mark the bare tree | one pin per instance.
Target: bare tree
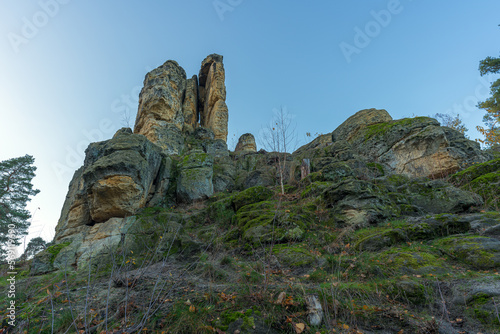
(280, 136)
(126, 119)
(454, 122)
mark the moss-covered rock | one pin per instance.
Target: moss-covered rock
(159, 234)
(314, 189)
(378, 240)
(222, 211)
(431, 196)
(195, 177)
(250, 196)
(267, 224)
(411, 261)
(479, 252)
(294, 255)
(224, 175)
(43, 262)
(359, 202)
(465, 176)
(483, 179)
(412, 291)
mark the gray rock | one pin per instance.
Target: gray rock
(224, 174)
(314, 310)
(479, 252)
(260, 177)
(493, 232)
(195, 177)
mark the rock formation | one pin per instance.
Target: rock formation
(169, 207)
(214, 112)
(178, 155)
(246, 143)
(118, 177)
(171, 105)
(411, 146)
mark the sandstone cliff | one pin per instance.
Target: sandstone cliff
(178, 155)
(387, 225)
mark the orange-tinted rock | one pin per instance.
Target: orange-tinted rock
(214, 112)
(246, 143)
(115, 196)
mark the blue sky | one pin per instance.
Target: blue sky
(70, 69)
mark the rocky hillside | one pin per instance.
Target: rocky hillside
(382, 226)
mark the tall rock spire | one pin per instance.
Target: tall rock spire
(213, 108)
(171, 105)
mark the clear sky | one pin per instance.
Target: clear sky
(70, 70)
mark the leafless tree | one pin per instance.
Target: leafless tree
(280, 136)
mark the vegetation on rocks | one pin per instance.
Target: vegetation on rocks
(372, 237)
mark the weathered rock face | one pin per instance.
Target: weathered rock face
(246, 143)
(214, 112)
(195, 178)
(116, 180)
(178, 155)
(190, 106)
(412, 146)
(350, 128)
(160, 103)
(171, 105)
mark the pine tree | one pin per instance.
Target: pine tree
(491, 132)
(35, 246)
(15, 190)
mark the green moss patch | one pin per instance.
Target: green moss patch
(250, 196)
(380, 129)
(55, 249)
(293, 255)
(479, 252)
(463, 177)
(315, 189)
(411, 261)
(483, 179)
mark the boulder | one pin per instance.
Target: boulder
(483, 179)
(116, 180)
(411, 146)
(246, 143)
(195, 177)
(224, 174)
(479, 252)
(350, 128)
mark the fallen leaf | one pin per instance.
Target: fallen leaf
(299, 328)
(281, 297)
(192, 309)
